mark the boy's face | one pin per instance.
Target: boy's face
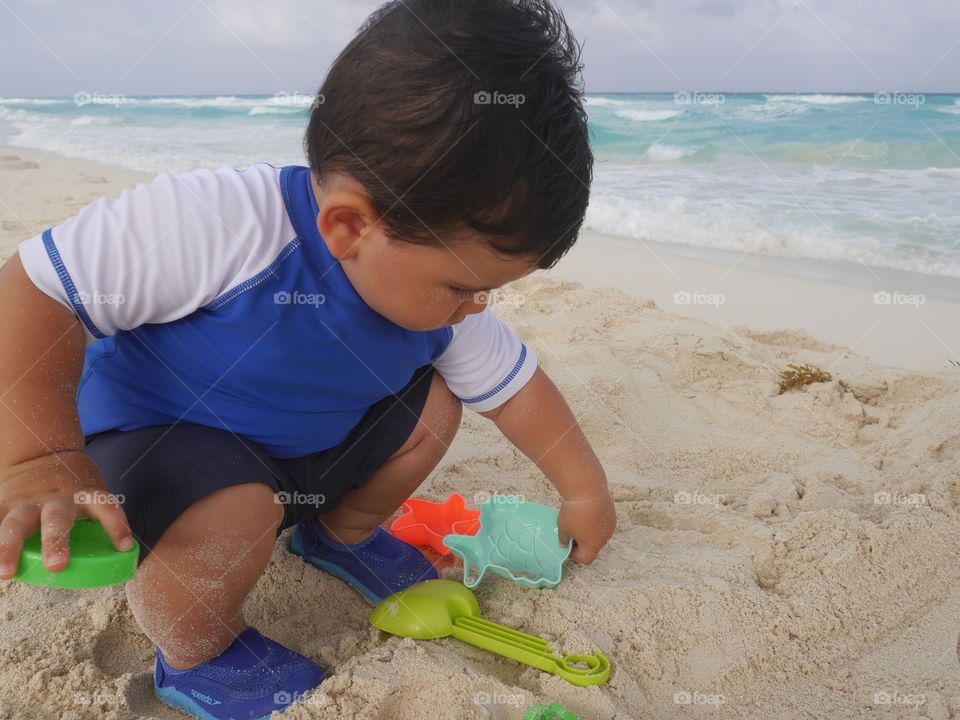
(414, 286)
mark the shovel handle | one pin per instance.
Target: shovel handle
(532, 651)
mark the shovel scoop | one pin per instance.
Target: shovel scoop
(444, 608)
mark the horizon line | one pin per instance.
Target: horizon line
(586, 92)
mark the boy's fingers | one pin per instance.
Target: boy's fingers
(105, 509)
(56, 519)
(583, 554)
(17, 525)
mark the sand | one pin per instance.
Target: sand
(777, 555)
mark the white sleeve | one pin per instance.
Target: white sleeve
(162, 249)
(485, 364)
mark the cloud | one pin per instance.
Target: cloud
(244, 46)
(788, 45)
(720, 8)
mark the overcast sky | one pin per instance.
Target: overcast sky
(50, 48)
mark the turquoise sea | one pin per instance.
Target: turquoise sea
(870, 177)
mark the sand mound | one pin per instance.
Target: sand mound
(777, 556)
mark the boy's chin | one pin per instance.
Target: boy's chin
(420, 326)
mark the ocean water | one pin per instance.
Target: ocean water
(872, 178)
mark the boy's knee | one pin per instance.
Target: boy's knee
(439, 420)
(251, 510)
(252, 506)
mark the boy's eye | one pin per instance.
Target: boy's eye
(461, 292)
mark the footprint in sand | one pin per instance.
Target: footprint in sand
(122, 648)
(14, 162)
(143, 701)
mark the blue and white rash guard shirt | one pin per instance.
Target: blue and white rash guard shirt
(211, 298)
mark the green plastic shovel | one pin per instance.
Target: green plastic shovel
(441, 608)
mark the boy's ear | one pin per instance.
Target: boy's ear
(344, 219)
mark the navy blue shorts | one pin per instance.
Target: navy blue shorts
(158, 472)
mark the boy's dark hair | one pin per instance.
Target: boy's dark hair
(457, 114)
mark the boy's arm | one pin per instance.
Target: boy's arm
(538, 421)
(43, 464)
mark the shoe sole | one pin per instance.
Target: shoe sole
(173, 698)
(177, 700)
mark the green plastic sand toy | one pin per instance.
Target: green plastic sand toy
(435, 609)
(554, 712)
(518, 540)
(94, 561)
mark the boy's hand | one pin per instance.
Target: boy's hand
(48, 492)
(538, 421)
(590, 521)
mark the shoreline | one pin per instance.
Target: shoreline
(115, 173)
(848, 273)
(909, 332)
(832, 300)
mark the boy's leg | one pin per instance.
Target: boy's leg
(363, 509)
(202, 503)
(188, 592)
